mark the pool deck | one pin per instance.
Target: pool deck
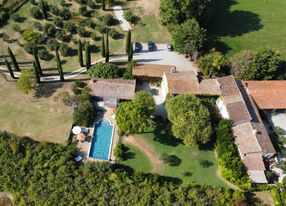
(84, 146)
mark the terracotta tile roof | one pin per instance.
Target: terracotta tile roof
(183, 83)
(113, 88)
(253, 162)
(152, 70)
(245, 139)
(209, 87)
(268, 94)
(233, 100)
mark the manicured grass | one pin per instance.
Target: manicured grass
(249, 24)
(136, 159)
(42, 119)
(187, 160)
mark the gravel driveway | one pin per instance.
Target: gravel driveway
(163, 56)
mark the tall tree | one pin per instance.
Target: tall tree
(37, 75)
(103, 5)
(107, 47)
(128, 42)
(103, 47)
(13, 59)
(59, 65)
(37, 62)
(9, 69)
(43, 7)
(130, 54)
(79, 51)
(87, 56)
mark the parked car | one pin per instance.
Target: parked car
(170, 47)
(138, 47)
(151, 46)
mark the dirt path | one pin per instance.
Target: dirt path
(146, 148)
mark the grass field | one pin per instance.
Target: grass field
(187, 160)
(249, 24)
(41, 118)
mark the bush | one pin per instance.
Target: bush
(93, 36)
(36, 13)
(38, 26)
(108, 20)
(276, 197)
(17, 27)
(70, 27)
(30, 47)
(230, 163)
(30, 36)
(64, 50)
(83, 10)
(78, 86)
(16, 17)
(42, 40)
(104, 70)
(82, 32)
(43, 54)
(119, 151)
(65, 14)
(128, 75)
(101, 28)
(90, 4)
(87, 22)
(50, 30)
(52, 44)
(115, 34)
(58, 21)
(61, 35)
(55, 10)
(129, 16)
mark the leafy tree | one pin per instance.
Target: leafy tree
(146, 101)
(53, 44)
(240, 62)
(36, 13)
(265, 65)
(64, 50)
(58, 21)
(107, 48)
(103, 47)
(37, 62)
(129, 16)
(179, 11)
(79, 51)
(119, 151)
(104, 70)
(131, 118)
(212, 63)
(190, 119)
(36, 73)
(188, 33)
(9, 68)
(27, 81)
(59, 65)
(87, 56)
(50, 30)
(85, 113)
(128, 42)
(31, 36)
(13, 59)
(43, 6)
(30, 47)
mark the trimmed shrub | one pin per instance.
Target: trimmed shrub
(115, 34)
(82, 32)
(65, 14)
(30, 47)
(64, 50)
(108, 20)
(61, 35)
(55, 10)
(36, 13)
(83, 10)
(52, 44)
(50, 30)
(58, 21)
(43, 54)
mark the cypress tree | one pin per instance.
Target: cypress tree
(37, 75)
(103, 5)
(130, 54)
(128, 42)
(87, 56)
(13, 59)
(107, 48)
(43, 7)
(59, 65)
(9, 68)
(79, 51)
(103, 47)
(37, 62)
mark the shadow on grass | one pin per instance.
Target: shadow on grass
(46, 90)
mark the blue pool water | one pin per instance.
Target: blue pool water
(100, 143)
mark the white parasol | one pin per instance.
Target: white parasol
(76, 130)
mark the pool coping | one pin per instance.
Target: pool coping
(111, 142)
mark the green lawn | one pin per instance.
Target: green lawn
(249, 24)
(187, 160)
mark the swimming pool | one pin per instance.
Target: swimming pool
(100, 146)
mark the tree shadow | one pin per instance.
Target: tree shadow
(173, 160)
(46, 90)
(127, 153)
(163, 135)
(206, 163)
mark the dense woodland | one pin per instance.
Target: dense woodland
(45, 174)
